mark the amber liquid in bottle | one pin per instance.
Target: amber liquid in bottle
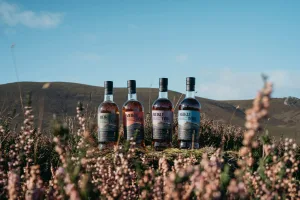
(189, 116)
(162, 118)
(133, 117)
(108, 120)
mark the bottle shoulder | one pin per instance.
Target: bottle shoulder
(108, 107)
(162, 104)
(133, 105)
(189, 104)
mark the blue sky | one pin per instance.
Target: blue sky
(226, 45)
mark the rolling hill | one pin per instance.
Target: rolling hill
(61, 98)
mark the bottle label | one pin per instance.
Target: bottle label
(188, 125)
(135, 125)
(108, 127)
(162, 125)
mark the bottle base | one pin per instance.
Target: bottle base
(103, 146)
(160, 146)
(138, 144)
(188, 145)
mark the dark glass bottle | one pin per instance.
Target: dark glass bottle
(189, 118)
(108, 119)
(133, 116)
(162, 118)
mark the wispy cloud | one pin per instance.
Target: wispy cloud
(88, 56)
(227, 84)
(181, 58)
(12, 15)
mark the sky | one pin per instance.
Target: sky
(226, 45)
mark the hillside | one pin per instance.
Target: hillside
(61, 99)
(284, 116)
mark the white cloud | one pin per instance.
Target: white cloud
(226, 84)
(181, 58)
(88, 56)
(12, 15)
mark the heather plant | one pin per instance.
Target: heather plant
(148, 129)
(232, 163)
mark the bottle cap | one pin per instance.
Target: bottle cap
(131, 85)
(108, 85)
(190, 83)
(163, 84)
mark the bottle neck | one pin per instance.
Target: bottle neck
(163, 95)
(132, 96)
(108, 97)
(190, 94)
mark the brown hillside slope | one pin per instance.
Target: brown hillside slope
(284, 119)
(61, 99)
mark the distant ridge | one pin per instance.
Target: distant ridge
(61, 98)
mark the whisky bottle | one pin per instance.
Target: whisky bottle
(162, 118)
(108, 119)
(133, 116)
(189, 118)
